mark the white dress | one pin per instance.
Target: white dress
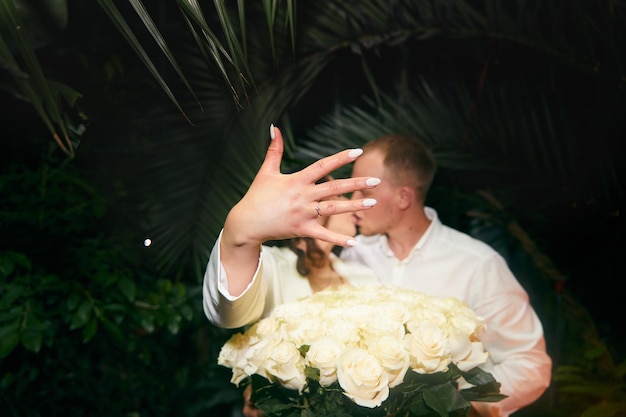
(275, 282)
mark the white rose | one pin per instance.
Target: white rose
(394, 358)
(264, 327)
(324, 355)
(362, 378)
(432, 315)
(307, 331)
(412, 299)
(356, 337)
(359, 314)
(286, 366)
(394, 311)
(466, 323)
(465, 353)
(343, 331)
(257, 355)
(445, 304)
(380, 326)
(428, 348)
(232, 355)
(232, 349)
(290, 313)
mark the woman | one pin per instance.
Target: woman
(306, 265)
(238, 288)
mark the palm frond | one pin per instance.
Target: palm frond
(408, 53)
(508, 140)
(30, 84)
(116, 17)
(193, 175)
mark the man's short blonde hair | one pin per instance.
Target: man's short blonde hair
(408, 160)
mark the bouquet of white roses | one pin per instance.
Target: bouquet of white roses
(366, 351)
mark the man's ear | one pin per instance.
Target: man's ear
(406, 197)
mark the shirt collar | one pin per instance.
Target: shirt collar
(433, 230)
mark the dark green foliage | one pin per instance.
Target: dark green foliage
(87, 325)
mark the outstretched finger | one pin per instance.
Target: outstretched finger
(317, 231)
(326, 165)
(274, 154)
(337, 187)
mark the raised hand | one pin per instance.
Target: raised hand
(281, 206)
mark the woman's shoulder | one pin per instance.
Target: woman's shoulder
(279, 253)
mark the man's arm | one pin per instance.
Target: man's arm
(515, 342)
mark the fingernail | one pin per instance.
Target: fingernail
(352, 242)
(372, 181)
(272, 134)
(369, 202)
(355, 152)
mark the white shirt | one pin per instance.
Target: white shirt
(446, 262)
(275, 282)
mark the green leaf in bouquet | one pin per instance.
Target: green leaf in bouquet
(413, 379)
(446, 400)
(328, 401)
(419, 408)
(312, 373)
(485, 388)
(274, 399)
(476, 376)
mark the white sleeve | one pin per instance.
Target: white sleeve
(223, 309)
(515, 342)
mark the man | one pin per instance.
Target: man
(407, 245)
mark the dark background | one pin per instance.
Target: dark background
(577, 225)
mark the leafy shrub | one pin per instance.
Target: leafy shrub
(88, 326)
